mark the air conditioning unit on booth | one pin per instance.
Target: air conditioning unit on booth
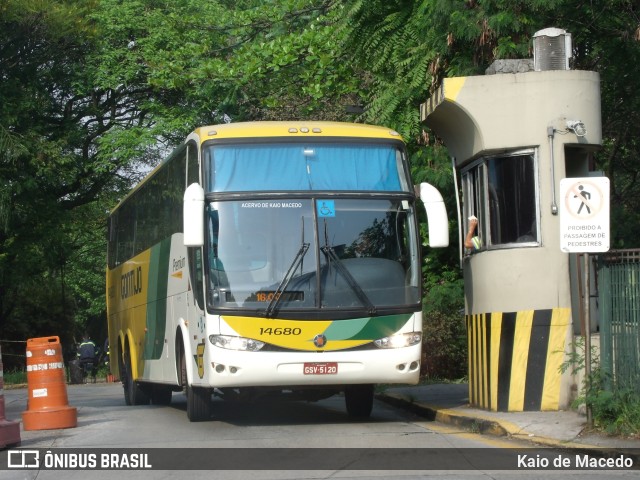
(551, 49)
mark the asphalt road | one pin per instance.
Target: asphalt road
(280, 440)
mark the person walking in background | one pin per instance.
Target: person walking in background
(88, 356)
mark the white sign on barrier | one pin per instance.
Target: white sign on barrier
(584, 215)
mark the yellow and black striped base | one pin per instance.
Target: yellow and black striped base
(515, 359)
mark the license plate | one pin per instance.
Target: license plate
(326, 368)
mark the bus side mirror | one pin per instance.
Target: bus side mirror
(193, 216)
(436, 216)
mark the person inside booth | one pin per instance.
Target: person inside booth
(472, 241)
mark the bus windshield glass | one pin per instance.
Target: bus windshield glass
(303, 167)
(311, 253)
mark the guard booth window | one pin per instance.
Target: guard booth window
(501, 191)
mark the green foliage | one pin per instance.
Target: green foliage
(444, 346)
(615, 410)
(93, 93)
(50, 118)
(252, 60)
(405, 49)
(15, 377)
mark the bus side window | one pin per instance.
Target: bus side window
(195, 269)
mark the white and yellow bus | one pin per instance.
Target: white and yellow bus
(270, 258)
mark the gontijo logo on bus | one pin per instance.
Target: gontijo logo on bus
(131, 283)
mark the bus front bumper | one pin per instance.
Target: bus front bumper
(254, 369)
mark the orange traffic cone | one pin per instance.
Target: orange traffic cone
(9, 431)
(47, 406)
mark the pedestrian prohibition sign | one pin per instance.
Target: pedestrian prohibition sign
(584, 214)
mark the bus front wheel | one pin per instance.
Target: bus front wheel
(359, 400)
(198, 404)
(198, 398)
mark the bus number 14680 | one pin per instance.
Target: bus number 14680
(280, 331)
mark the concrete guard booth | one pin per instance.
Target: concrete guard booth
(513, 136)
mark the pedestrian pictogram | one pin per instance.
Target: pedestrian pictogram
(584, 214)
(586, 197)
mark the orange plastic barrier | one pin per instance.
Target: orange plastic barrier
(47, 406)
(9, 431)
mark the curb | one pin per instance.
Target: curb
(446, 415)
(491, 426)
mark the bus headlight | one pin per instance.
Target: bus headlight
(399, 341)
(236, 343)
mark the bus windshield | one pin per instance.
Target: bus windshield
(303, 167)
(311, 253)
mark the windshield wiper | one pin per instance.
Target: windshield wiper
(352, 282)
(277, 295)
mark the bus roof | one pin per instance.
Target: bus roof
(294, 129)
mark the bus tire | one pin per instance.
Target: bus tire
(359, 400)
(198, 398)
(161, 395)
(133, 391)
(198, 404)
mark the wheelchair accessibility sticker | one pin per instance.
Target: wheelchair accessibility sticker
(326, 208)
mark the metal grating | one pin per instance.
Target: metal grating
(619, 287)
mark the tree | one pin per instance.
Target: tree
(54, 117)
(407, 47)
(40, 50)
